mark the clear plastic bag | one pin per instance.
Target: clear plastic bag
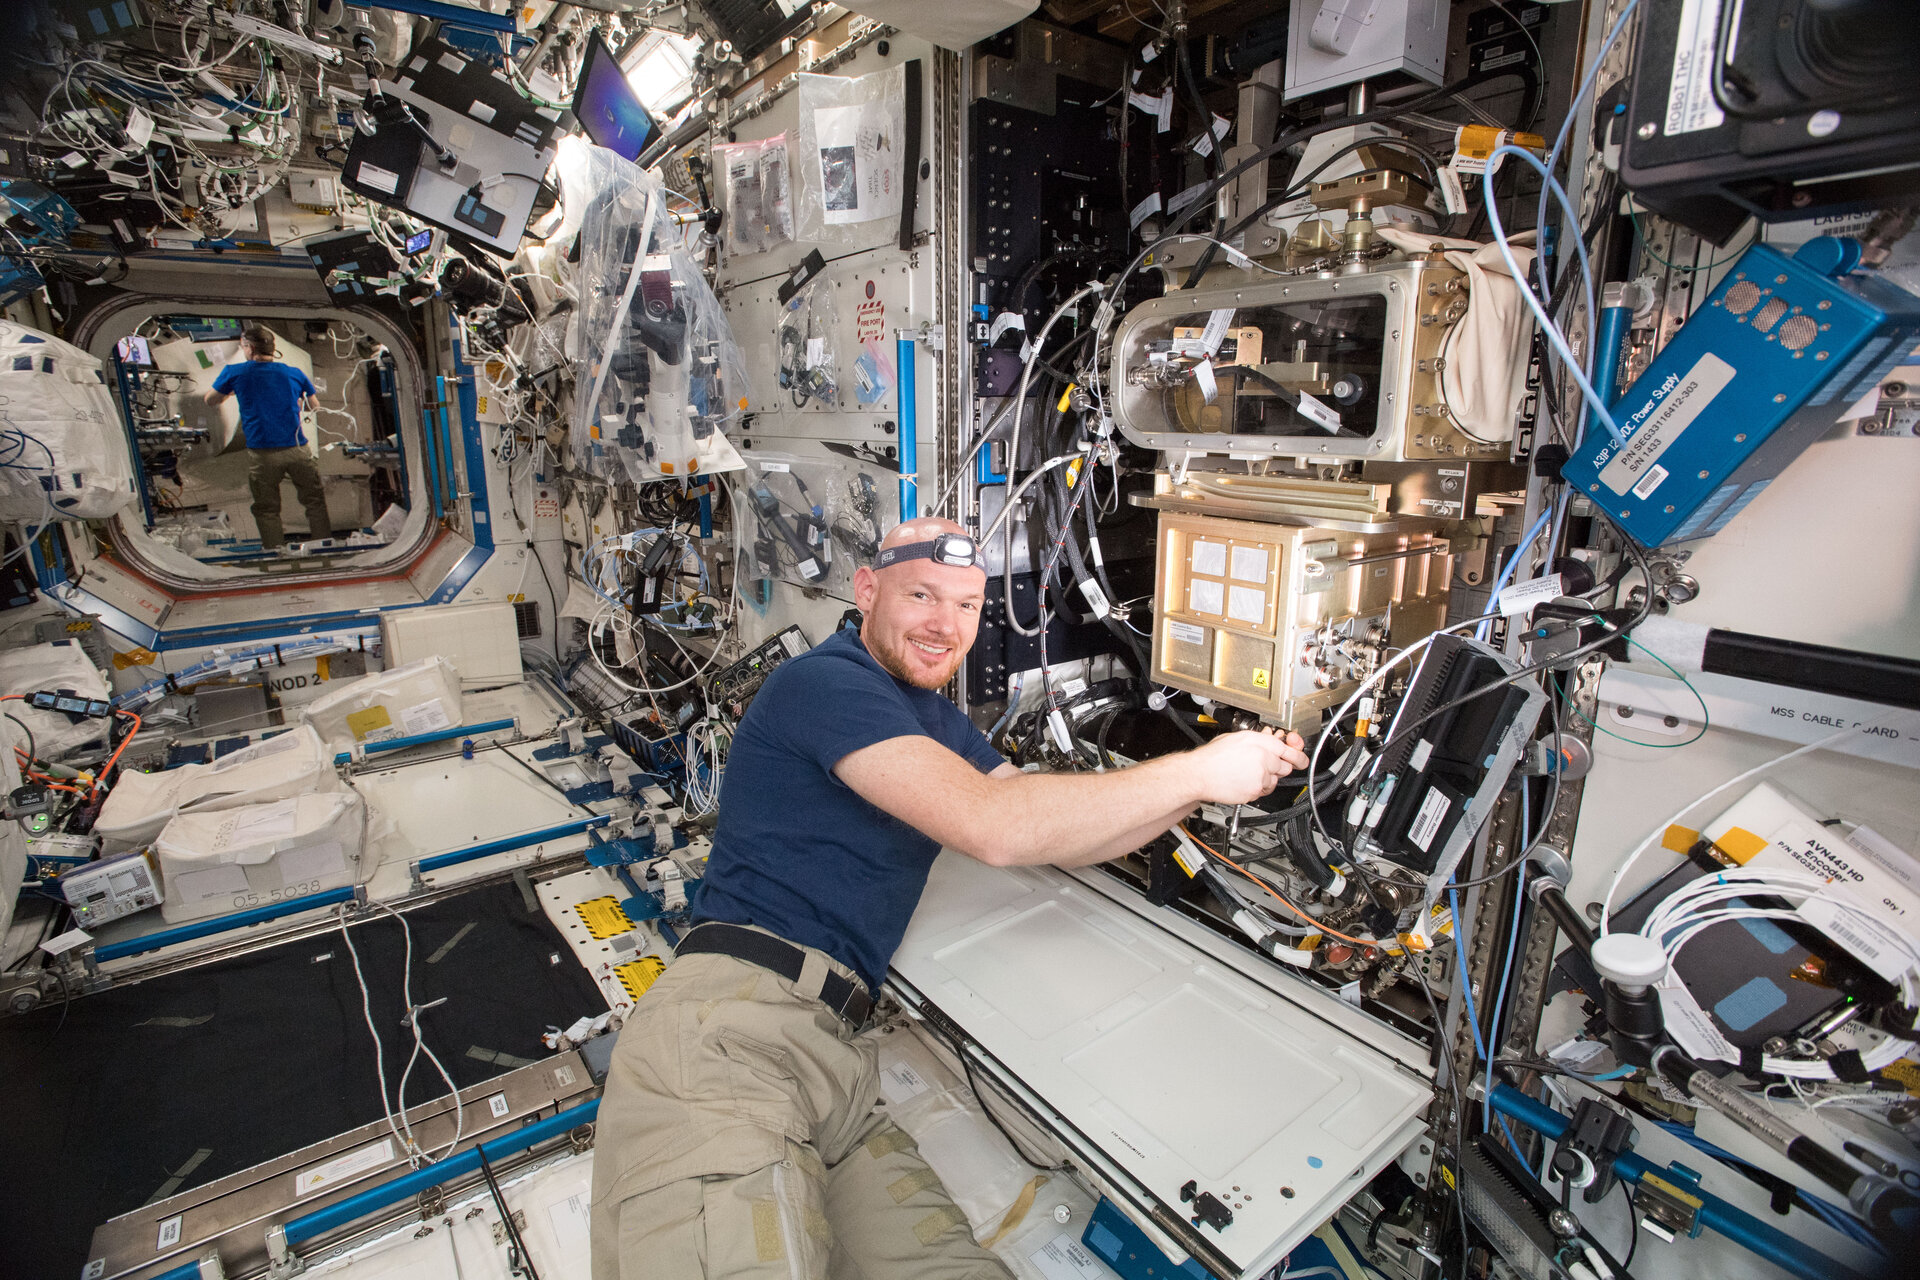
(810, 522)
(809, 364)
(658, 373)
(755, 194)
(850, 153)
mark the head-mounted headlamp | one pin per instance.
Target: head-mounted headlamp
(955, 549)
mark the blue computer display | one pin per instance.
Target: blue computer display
(609, 112)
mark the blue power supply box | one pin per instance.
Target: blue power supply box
(1753, 377)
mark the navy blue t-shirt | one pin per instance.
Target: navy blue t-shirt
(269, 401)
(797, 851)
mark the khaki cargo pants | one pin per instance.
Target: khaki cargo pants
(265, 469)
(742, 1135)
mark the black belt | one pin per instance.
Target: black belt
(848, 999)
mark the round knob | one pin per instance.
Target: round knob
(1062, 1214)
(1630, 959)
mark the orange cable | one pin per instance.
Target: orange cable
(1234, 867)
(107, 768)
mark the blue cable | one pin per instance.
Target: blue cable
(1618, 1073)
(1473, 1020)
(1506, 570)
(1832, 1214)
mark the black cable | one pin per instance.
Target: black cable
(1459, 1110)
(518, 1259)
(1633, 1226)
(966, 1068)
(33, 752)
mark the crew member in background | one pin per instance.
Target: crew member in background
(741, 1132)
(271, 398)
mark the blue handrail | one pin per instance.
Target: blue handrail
(222, 924)
(418, 739)
(411, 1184)
(507, 843)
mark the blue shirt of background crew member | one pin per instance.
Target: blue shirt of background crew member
(270, 394)
(797, 851)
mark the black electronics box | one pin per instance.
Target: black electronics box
(1816, 114)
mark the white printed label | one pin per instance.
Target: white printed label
(497, 1106)
(1521, 597)
(1649, 482)
(1688, 1023)
(315, 862)
(60, 944)
(425, 717)
(1186, 633)
(1186, 197)
(342, 1168)
(1453, 196)
(214, 882)
(816, 352)
(372, 175)
(1318, 413)
(1690, 104)
(1876, 945)
(898, 1082)
(1210, 558)
(1250, 564)
(1204, 379)
(1426, 822)
(1073, 686)
(1141, 211)
(1247, 604)
(775, 466)
(139, 127)
(1206, 597)
(1065, 1258)
(1096, 598)
(1659, 423)
(1216, 331)
(169, 1232)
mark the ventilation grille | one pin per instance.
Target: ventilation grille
(526, 619)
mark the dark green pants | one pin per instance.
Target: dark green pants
(266, 468)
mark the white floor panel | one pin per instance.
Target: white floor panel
(1173, 1064)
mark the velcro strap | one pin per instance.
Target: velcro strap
(1753, 1061)
(1848, 1068)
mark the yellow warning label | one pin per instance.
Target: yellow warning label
(323, 667)
(1262, 678)
(603, 917)
(371, 720)
(637, 975)
(79, 625)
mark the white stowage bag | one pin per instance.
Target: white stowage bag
(232, 859)
(59, 664)
(294, 763)
(60, 432)
(1485, 377)
(416, 698)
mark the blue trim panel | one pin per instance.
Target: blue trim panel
(408, 1185)
(506, 844)
(479, 503)
(420, 739)
(222, 924)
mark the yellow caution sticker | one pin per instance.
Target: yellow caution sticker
(1679, 839)
(1262, 678)
(371, 720)
(603, 917)
(637, 975)
(1739, 844)
(323, 667)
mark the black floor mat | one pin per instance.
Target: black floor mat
(173, 1082)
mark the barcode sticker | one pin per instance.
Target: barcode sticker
(1203, 378)
(1426, 822)
(1876, 946)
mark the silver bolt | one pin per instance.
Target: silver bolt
(1648, 129)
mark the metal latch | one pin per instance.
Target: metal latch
(1670, 1208)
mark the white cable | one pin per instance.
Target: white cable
(1613, 886)
(404, 1129)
